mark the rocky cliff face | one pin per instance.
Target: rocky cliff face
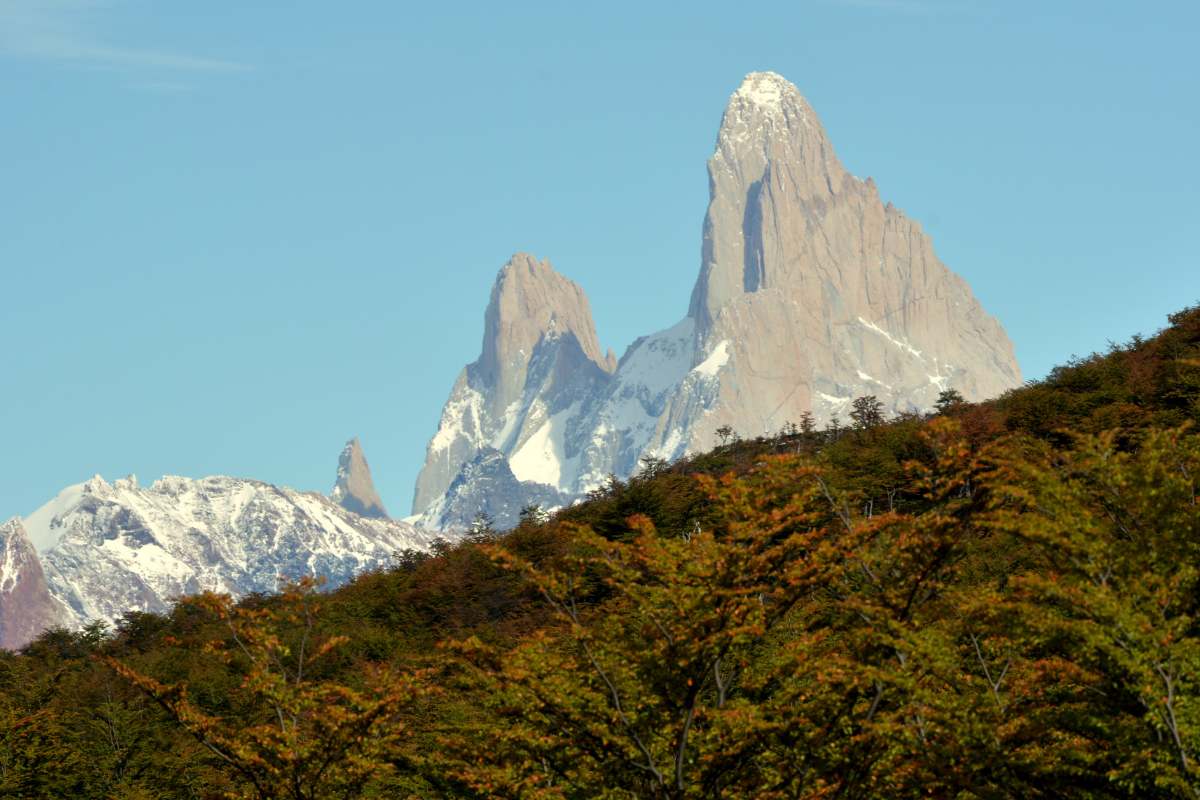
(354, 490)
(811, 292)
(821, 292)
(26, 606)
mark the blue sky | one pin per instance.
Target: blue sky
(236, 234)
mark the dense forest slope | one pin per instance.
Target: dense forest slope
(999, 600)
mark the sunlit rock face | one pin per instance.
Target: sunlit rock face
(812, 292)
(823, 292)
(26, 606)
(354, 489)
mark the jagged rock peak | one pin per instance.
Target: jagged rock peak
(767, 107)
(106, 551)
(540, 354)
(811, 293)
(770, 92)
(770, 140)
(354, 489)
(530, 300)
(824, 292)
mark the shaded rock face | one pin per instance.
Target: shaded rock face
(26, 606)
(354, 489)
(811, 292)
(486, 485)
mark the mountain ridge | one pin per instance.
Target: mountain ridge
(811, 292)
(101, 549)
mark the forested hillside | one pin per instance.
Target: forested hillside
(998, 600)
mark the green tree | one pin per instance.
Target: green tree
(866, 412)
(640, 695)
(297, 735)
(948, 399)
(1118, 593)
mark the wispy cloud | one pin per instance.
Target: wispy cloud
(64, 31)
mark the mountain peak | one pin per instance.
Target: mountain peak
(770, 142)
(801, 258)
(766, 90)
(540, 353)
(767, 117)
(529, 301)
(354, 489)
(811, 293)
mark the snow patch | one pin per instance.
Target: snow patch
(718, 358)
(10, 566)
(765, 90)
(542, 458)
(45, 526)
(900, 343)
(862, 376)
(512, 416)
(834, 400)
(458, 413)
(652, 368)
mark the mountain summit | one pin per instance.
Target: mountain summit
(540, 355)
(354, 489)
(822, 291)
(812, 292)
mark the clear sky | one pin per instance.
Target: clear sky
(235, 234)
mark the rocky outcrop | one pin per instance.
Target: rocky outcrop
(812, 292)
(354, 490)
(26, 606)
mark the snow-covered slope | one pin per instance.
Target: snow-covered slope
(486, 485)
(107, 548)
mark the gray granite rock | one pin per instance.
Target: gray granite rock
(354, 489)
(812, 292)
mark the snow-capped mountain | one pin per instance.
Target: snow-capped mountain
(811, 292)
(101, 549)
